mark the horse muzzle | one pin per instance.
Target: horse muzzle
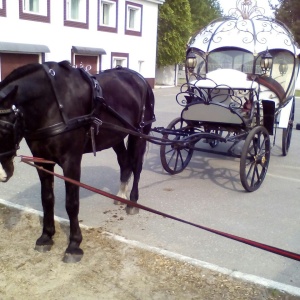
(6, 171)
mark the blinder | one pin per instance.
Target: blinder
(14, 127)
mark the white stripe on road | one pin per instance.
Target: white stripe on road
(283, 177)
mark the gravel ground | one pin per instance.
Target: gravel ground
(109, 269)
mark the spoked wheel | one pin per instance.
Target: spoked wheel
(287, 132)
(255, 158)
(176, 157)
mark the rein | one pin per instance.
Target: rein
(32, 160)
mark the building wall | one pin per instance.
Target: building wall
(140, 50)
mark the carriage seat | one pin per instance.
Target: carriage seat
(227, 91)
(222, 82)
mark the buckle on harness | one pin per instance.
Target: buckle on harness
(98, 123)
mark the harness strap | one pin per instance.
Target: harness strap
(60, 127)
(2, 94)
(97, 90)
(50, 74)
(6, 111)
(74, 123)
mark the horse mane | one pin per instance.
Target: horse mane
(19, 73)
(66, 64)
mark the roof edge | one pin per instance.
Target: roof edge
(23, 48)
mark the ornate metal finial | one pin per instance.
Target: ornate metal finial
(246, 9)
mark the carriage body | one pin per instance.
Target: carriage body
(241, 72)
(240, 43)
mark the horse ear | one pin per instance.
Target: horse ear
(8, 91)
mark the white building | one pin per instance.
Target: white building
(96, 34)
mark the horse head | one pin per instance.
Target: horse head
(10, 131)
(20, 92)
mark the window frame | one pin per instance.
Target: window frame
(32, 16)
(75, 23)
(119, 55)
(138, 7)
(107, 28)
(3, 8)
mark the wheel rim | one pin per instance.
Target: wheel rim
(255, 159)
(176, 157)
(286, 139)
(287, 133)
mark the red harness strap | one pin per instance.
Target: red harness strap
(278, 251)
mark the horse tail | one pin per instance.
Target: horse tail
(150, 104)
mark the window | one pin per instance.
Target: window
(133, 19)
(76, 10)
(280, 74)
(230, 59)
(2, 8)
(107, 15)
(140, 62)
(35, 7)
(76, 13)
(119, 59)
(35, 10)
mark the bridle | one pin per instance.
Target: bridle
(14, 127)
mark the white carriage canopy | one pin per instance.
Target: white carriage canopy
(240, 40)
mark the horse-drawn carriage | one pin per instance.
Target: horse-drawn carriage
(241, 73)
(240, 84)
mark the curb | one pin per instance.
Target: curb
(291, 290)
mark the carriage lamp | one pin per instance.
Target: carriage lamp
(266, 62)
(283, 67)
(191, 62)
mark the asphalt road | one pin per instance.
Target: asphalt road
(208, 192)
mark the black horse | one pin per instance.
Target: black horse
(59, 111)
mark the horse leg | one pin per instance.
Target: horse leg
(136, 149)
(73, 252)
(125, 170)
(45, 242)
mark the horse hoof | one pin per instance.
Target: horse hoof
(132, 210)
(116, 202)
(43, 248)
(72, 258)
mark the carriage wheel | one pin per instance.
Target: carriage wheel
(287, 132)
(255, 158)
(176, 157)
